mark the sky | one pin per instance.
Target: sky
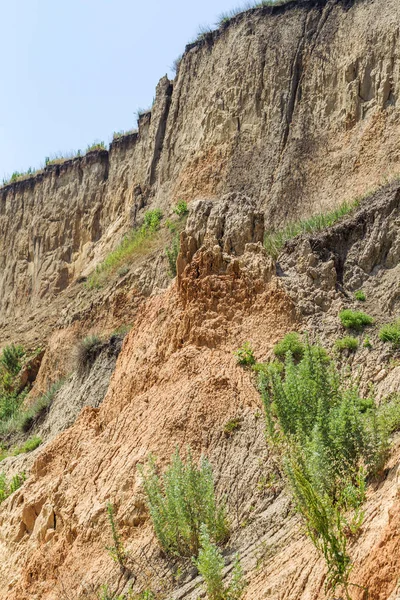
(74, 72)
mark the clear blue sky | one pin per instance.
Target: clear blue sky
(74, 71)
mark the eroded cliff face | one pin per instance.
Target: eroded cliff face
(283, 112)
(297, 106)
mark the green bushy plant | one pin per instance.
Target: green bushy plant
(117, 551)
(181, 209)
(353, 319)
(171, 253)
(391, 333)
(290, 343)
(245, 355)
(360, 296)
(96, 146)
(8, 487)
(10, 358)
(334, 440)
(346, 343)
(181, 501)
(210, 565)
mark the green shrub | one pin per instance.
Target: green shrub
(28, 446)
(9, 487)
(210, 565)
(391, 333)
(11, 358)
(352, 319)
(367, 343)
(171, 253)
(245, 356)
(334, 440)
(180, 502)
(181, 209)
(232, 425)
(275, 240)
(85, 352)
(290, 343)
(360, 296)
(347, 343)
(117, 551)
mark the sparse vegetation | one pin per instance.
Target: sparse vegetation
(334, 440)
(117, 135)
(85, 352)
(96, 146)
(391, 333)
(28, 446)
(245, 355)
(171, 253)
(181, 209)
(10, 359)
(8, 487)
(232, 425)
(360, 296)
(210, 565)
(367, 343)
(290, 343)
(346, 343)
(117, 551)
(135, 241)
(181, 501)
(275, 240)
(357, 320)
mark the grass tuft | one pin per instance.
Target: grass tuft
(353, 319)
(391, 333)
(346, 343)
(290, 343)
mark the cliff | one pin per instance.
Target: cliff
(295, 105)
(281, 113)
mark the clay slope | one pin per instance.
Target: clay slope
(177, 382)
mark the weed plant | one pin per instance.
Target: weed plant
(353, 319)
(181, 501)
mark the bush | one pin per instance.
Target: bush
(347, 343)
(334, 440)
(117, 551)
(352, 319)
(85, 352)
(290, 343)
(26, 419)
(210, 565)
(360, 296)
(391, 333)
(180, 502)
(9, 487)
(232, 425)
(181, 209)
(245, 356)
(172, 254)
(11, 358)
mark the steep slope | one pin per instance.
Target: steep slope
(177, 382)
(294, 105)
(282, 112)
